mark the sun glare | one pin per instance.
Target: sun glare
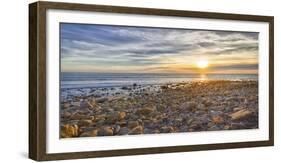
(202, 64)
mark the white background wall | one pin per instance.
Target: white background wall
(14, 80)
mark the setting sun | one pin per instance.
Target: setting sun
(202, 64)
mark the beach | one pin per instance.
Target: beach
(161, 107)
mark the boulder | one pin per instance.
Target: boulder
(146, 110)
(101, 100)
(68, 131)
(188, 106)
(121, 115)
(167, 129)
(92, 133)
(241, 114)
(217, 119)
(133, 124)
(114, 117)
(84, 122)
(136, 130)
(123, 131)
(77, 116)
(105, 131)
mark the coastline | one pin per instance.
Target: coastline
(206, 105)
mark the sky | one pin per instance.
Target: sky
(124, 49)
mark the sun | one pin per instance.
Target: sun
(202, 64)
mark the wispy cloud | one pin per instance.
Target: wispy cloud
(107, 48)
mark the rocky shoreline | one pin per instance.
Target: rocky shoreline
(152, 109)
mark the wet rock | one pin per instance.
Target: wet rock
(92, 133)
(136, 130)
(241, 114)
(125, 88)
(68, 131)
(105, 131)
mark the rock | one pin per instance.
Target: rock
(237, 109)
(155, 131)
(89, 133)
(122, 123)
(84, 122)
(65, 114)
(68, 131)
(207, 102)
(125, 88)
(183, 129)
(84, 104)
(123, 131)
(146, 110)
(226, 127)
(166, 129)
(188, 106)
(93, 104)
(101, 100)
(115, 116)
(147, 131)
(132, 124)
(217, 119)
(236, 126)
(116, 129)
(241, 114)
(178, 121)
(105, 131)
(65, 106)
(196, 125)
(121, 115)
(78, 116)
(136, 130)
(214, 128)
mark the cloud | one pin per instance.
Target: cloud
(122, 46)
(236, 67)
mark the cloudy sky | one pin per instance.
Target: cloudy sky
(101, 48)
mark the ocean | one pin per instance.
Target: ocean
(98, 80)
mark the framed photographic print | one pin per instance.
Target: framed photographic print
(112, 81)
